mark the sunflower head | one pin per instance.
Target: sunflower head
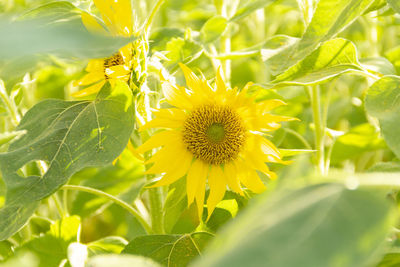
(117, 20)
(214, 135)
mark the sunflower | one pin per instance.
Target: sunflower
(117, 17)
(212, 134)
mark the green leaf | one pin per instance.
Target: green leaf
(385, 167)
(275, 45)
(382, 102)
(52, 247)
(126, 183)
(109, 244)
(330, 18)
(358, 140)
(9, 136)
(249, 7)
(320, 225)
(395, 4)
(53, 12)
(181, 50)
(68, 135)
(390, 260)
(332, 58)
(54, 28)
(121, 261)
(175, 204)
(378, 65)
(169, 250)
(213, 29)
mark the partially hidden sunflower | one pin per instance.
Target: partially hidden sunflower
(117, 17)
(215, 135)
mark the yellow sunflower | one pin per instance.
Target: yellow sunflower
(117, 17)
(215, 135)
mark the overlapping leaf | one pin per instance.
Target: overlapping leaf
(170, 250)
(330, 18)
(68, 136)
(382, 102)
(321, 225)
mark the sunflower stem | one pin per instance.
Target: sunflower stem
(116, 200)
(10, 105)
(152, 14)
(319, 131)
(225, 48)
(155, 194)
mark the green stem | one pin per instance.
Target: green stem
(299, 137)
(57, 202)
(155, 194)
(116, 200)
(319, 128)
(10, 105)
(152, 14)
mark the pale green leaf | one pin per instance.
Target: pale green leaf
(169, 250)
(330, 18)
(332, 58)
(109, 244)
(68, 135)
(114, 260)
(213, 29)
(248, 7)
(320, 225)
(382, 102)
(395, 4)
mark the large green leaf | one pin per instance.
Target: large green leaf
(54, 28)
(358, 140)
(332, 58)
(115, 260)
(248, 7)
(320, 225)
(395, 4)
(170, 250)
(382, 102)
(68, 135)
(330, 18)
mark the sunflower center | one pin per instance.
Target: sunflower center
(114, 60)
(214, 134)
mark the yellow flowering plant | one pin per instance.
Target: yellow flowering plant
(199, 133)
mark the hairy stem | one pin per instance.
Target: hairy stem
(319, 130)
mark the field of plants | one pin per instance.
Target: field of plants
(209, 133)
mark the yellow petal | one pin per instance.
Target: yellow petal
(95, 65)
(249, 178)
(230, 174)
(217, 185)
(161, 159)
(197, 174)
(92, 24)
(166, 118)
(134, 151)
(176, 95)
(270, 104)
(160, 139)
(90, 78)
(123, 15)
(118, 72)
(89, 90)
(178, 170)
(200, 88)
